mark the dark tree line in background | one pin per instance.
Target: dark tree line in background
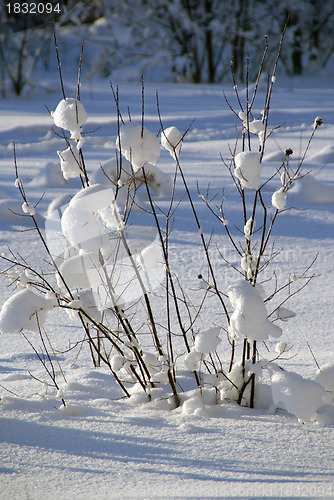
(173, 40)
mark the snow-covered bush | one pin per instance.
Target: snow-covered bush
(108, 247)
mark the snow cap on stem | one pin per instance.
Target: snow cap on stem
(317, 122)
(249, 319)
(278, 199)
(171, 140)
(70, 115)
(248, 169)
(208, 340)
(69, 163)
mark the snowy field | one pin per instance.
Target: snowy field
(102, 446)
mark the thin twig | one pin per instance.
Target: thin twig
(58, 60)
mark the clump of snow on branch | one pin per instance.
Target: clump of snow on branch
(254, 126)
(28, 209)
(25, 310)
(278, 199)
(207, 341)
(138, 145)
(282, 347)
(249, 319)
(248, 169)
(248, 264)
(317, 122)
(192, 360)
(70, 115)
(117, 362)
(69, 163)
(171, 140)
(249, 228)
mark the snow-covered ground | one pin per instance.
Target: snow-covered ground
(102, 446)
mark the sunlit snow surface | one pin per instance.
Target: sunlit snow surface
(101, 446)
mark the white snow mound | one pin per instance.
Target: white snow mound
(325, 377)
(49, 176)
(323, 155)
(310, 191)
(300, 397)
